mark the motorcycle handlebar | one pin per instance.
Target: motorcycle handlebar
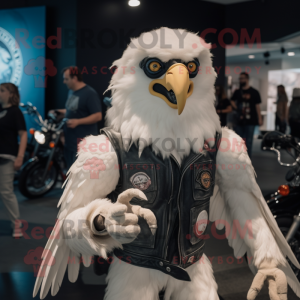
(277, 137)
(270, 140)
(31, 110)
(62, 123)
(297, 161)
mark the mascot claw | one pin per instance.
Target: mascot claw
(276, 280)
(147, 214)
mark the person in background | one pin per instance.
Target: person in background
(294, 113)
(246, 100)
(281, 109)
(83, 109)
(223, 105)
(12, 125)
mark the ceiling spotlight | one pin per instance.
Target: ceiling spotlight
(251, 56)
(266, 62)
(267, 54)
(291, 53)
(134, 3)
(282, 50)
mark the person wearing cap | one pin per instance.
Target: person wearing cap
(294, 113)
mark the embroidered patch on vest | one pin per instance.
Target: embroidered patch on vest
(201, 223)
(140, 181)
(205, 179)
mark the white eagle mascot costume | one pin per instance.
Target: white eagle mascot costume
(164, 151)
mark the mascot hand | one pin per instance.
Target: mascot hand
(276, 280)
(121, 220)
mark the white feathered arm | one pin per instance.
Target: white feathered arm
(238, 204)
(92, 177)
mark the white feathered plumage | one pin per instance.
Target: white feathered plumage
(142, 118)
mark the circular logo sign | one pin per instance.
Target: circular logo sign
(201, 223)
(11, 61)
(140, 181)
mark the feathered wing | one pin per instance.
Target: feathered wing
(93, 175)
(238, 204)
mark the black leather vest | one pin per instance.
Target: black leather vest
(179, 198)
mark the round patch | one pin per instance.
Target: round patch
(140, 181)
(201, 223)
(205, 179)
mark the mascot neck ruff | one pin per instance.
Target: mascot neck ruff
(165, 173)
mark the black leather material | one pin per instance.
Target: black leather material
(153, 263)
(179, 198)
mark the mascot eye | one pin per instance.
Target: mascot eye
(192, 67)
(154, 66)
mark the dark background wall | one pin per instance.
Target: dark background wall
(275, 18)
(59, 14)
(115, 22)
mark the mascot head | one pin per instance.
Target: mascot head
(163, 90)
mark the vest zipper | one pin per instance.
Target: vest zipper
(172, 181)
(169, 201)
(178, 206)
(166, 252)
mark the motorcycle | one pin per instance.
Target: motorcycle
(31, 147)
(284, 203)
(40, 173)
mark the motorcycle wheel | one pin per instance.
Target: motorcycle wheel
(27, 156)
(30, 183)
(284, 225)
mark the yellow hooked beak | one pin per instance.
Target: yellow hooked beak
(174, 88)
